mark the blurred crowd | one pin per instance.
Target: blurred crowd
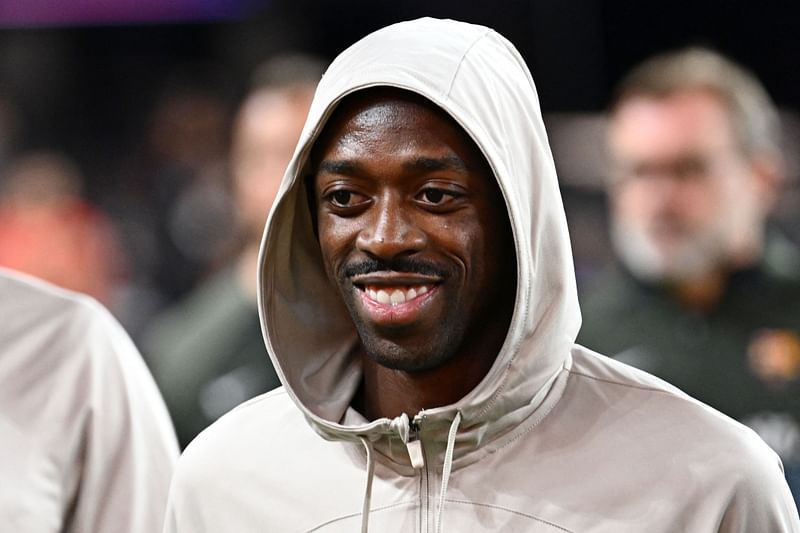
(702, 210)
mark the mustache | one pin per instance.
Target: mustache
(405, 265)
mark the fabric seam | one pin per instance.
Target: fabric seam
(353, 515)
(512, 511)
(628, 385)
(461, 61)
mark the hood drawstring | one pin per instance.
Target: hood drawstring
(398, 425)
(448, 466)
(446, 469)
(368, 489)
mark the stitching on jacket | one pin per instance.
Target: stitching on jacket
(629, 385)
(353, 515)
(461, 62)
(535, 422)
(512, 511)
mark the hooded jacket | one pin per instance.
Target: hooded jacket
(86, 444)
(554, 438)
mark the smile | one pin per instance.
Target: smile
(395, 295)
(398, 304)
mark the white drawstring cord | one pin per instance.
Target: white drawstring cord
(448, 466)
(368, 490)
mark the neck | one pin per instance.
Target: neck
(387, 392)
(702, 293)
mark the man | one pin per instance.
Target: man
(707, 296)
(207, 352)
(85, 440)
(419, 303)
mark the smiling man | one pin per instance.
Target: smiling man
(418, 301)
(411, 227)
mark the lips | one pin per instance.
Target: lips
(395, 299)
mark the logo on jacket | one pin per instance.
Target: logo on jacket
(774, 356)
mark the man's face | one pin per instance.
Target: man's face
(267, 129)
(413, 230)
(684, 199)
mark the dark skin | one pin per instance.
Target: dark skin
(415, 236)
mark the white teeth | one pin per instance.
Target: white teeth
(398, 297)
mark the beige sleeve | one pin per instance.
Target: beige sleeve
(129, 448)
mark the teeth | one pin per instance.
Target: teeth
(396, 296)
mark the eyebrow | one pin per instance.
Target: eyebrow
(348, 167)
(437, 163)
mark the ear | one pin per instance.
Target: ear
(769, 173)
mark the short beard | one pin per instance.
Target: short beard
(696, 256)
(397, 357)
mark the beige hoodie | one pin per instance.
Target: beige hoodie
(555, 438)
(86, 445)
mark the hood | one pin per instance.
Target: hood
(479, 78)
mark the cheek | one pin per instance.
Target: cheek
(335, 240)
(484, 242)
(633, 201)
(703, 201)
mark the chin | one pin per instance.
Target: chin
(404, 357)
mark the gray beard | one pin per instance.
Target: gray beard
(694, 258)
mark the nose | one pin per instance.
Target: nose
(392, 231)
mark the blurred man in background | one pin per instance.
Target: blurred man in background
(707, 295)
(86, 445)
(207, 353)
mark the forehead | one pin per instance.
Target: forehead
(686, 119)
(384, 120)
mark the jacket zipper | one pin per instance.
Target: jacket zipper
(417, 455)
(414, 444)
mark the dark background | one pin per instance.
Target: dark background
(85, 86)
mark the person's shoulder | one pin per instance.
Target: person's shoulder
(246, 435)
(27, 297)
(642, 424)
(48, 322)
(256, 448)
(655, 408)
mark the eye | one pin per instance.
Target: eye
(344, 198)
(341, 198)
(433, 196)
(436, 196)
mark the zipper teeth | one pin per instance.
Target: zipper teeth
(426, 491)
(414, 430)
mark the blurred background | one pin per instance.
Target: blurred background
(116, 121)
(137, 98)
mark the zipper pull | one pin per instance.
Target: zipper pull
(414, 445)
